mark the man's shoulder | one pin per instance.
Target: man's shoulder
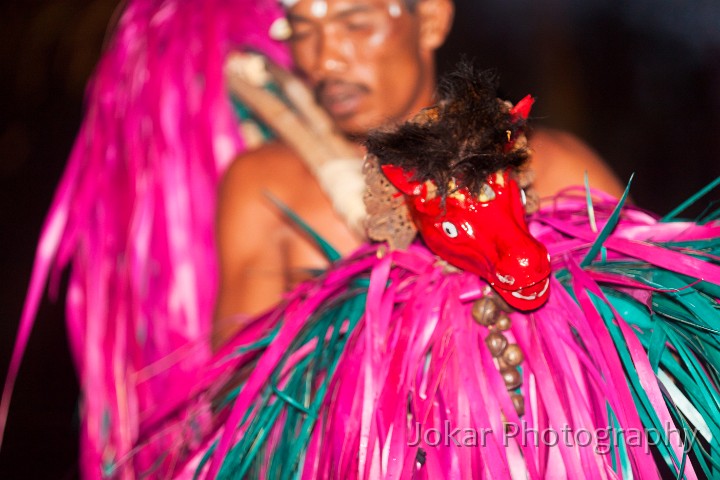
(560, 159)
(272, 156)
(248, 183)
(272, 164)
(559, 143)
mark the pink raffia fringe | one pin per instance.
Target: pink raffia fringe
(416, 369)
(133, 214)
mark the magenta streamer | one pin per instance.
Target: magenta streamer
(133, 217)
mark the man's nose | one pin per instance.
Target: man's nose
(332, 53)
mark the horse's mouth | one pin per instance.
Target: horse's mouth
(531, 292)
(526, 298)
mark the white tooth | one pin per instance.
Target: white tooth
(534, 295)
(524, 297)
(547, 284)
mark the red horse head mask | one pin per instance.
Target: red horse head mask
(485, 234)
(454, 164)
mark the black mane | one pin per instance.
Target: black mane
(463, 137)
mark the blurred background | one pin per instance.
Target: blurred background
(638, 80)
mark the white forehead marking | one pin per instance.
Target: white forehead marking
(394, 10)
(288, 3)
(318, 8)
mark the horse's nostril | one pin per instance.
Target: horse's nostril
(507, 279)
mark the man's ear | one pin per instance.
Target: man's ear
(436, 18)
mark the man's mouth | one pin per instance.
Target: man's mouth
(340, 99)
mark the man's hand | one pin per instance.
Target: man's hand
(305, 127)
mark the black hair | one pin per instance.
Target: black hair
(464, 137)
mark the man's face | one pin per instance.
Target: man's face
(363, 59)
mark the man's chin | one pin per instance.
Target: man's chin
(353, 130)
(355, 127)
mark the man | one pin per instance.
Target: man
(370, 63)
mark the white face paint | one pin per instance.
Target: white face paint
(319, 8)
(394, 9)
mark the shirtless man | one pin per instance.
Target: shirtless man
(370, 63)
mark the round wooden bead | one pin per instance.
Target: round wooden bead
(503, 322)
(512, 378)
(518, 403)
(485, 311)
(496, 342)
(502, 304)
(513, 355)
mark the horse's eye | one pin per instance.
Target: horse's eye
(450, 229)
(523, 197)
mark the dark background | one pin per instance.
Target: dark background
(638, 80)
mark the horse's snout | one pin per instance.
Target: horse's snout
(522, 265)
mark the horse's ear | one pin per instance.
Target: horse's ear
(521, 110)
(402, 180)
